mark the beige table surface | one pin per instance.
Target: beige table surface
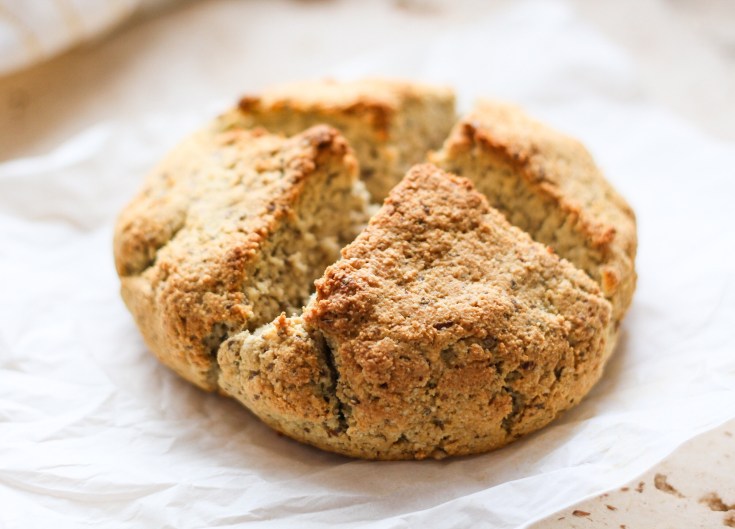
(685, 52)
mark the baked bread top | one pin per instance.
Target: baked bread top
(547, 184)
(390, 124)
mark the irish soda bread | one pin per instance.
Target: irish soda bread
(469, 310)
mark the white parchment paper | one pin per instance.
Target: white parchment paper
(93, 431)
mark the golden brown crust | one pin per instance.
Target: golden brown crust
(377, 100)
(561, 171)
(377, 113)
(391, 124)
(192, 241)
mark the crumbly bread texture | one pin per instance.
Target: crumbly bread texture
(548, 185)
(231, 230)
(390, 124)
(443, 330)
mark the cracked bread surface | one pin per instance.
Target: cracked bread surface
(547, 184)
(446, 328)
(391, 124)
(442, 331)
(229, 231)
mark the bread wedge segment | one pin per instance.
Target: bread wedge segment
(547, 184)
(391, 124)
(230, 230)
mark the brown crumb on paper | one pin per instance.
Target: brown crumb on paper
(580, 513)
(660, 482)
(715, 503)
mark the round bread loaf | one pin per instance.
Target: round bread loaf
(438, 325)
